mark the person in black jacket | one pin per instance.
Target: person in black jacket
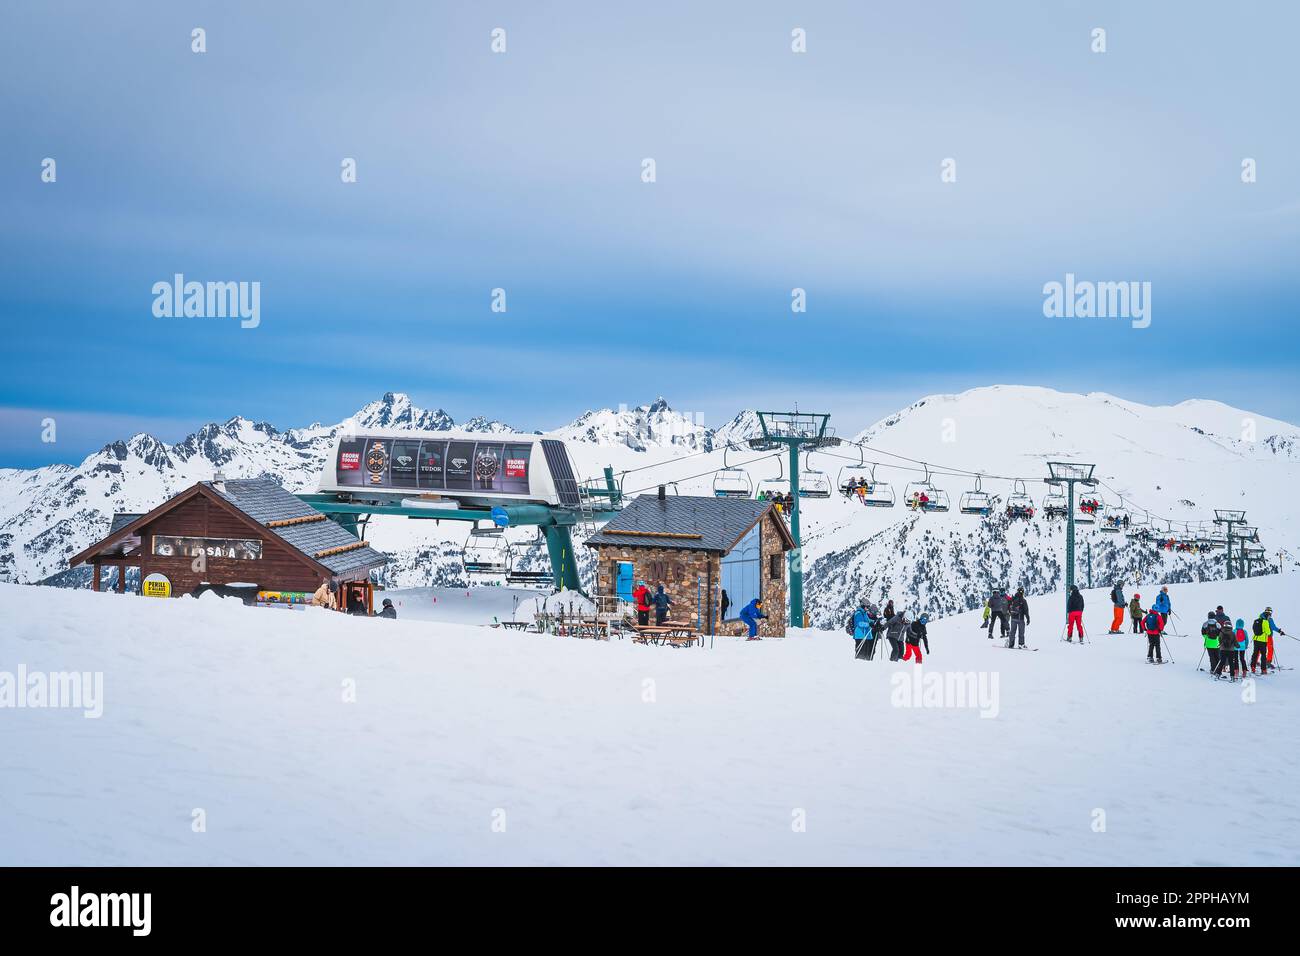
(1120, 604)
(916, 635)
(1019, 610)
(1074, 614)
(661, 602)
(998, 607)
(388, 611)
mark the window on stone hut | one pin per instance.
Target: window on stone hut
(774, 566)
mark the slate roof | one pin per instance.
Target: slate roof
(720, 522)
(263, 500)
(120, 520)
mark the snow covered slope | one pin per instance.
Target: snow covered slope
(472, 745)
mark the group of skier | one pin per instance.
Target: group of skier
(1011, 612)
(904, 634)
(1226, 643)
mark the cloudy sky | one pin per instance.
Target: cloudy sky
(522, 171)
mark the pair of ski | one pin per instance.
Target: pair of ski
(1006, 647)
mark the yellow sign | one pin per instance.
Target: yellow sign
(156, 585)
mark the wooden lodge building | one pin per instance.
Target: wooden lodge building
(697, 548)
(248, 532)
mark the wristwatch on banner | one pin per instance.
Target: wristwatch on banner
(486, 467)
(377, 462)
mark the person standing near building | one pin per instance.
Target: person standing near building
(1117, 601)
(661, 602)
(1074, 614)
(751, 614)
(642, 598)
(1019, 610)
(726, 604)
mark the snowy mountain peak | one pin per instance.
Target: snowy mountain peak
(655, 425)
(396, 410)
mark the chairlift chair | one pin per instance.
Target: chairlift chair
(976, 502)
(813, 483)
(1056, 505)
(1089, 508)
(1019, 504)
(486, 552)
(925, 495)
(730, 481)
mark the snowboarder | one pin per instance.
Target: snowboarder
(661, 602)
(864, 631)
(998, 605)
(1019, 609)
(1164, 607)
(894, 634)
(916, 634)
(388, 610)
(1118, 602)
(1135, 612)
(642, 597)
(751, 614)
(1074, 614)
(1210, 631)
(1152, 624)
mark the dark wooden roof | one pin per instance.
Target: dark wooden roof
(686, 523)
(258, 501)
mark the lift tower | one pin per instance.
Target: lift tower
(796, 431)
(1070, 473)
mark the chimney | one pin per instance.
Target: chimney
(219, 481)
(663, 493)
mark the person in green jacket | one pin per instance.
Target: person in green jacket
(1210, 631)
(1135, 612)
(985, 623)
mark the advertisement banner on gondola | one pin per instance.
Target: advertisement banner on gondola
(434, 465)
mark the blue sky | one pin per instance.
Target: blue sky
(521, 171)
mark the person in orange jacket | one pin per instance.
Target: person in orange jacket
(642, 597)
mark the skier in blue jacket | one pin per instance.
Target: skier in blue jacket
(864, 631)
(1163, 607)
(751, 614)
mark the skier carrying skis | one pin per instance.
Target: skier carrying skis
(1117, 600)
(1074, 614)
(1210, 631)
(1152, 624)
(1019, 608)
(751, 614)
(916, 634)
(1135, 612)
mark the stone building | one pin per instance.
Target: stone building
(697, 548)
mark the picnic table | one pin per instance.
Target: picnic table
(516, 625)
(677, 635)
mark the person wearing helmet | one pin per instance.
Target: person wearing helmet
(1151, 625)
(388, 610)
(1135, 612)
(916, 634)
(1210, 632)
(1019, 610)
(864, 631)
(1118, 603)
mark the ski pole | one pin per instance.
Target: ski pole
(1168, 653)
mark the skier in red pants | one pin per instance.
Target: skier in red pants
(1074, 614)
(915, 635)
